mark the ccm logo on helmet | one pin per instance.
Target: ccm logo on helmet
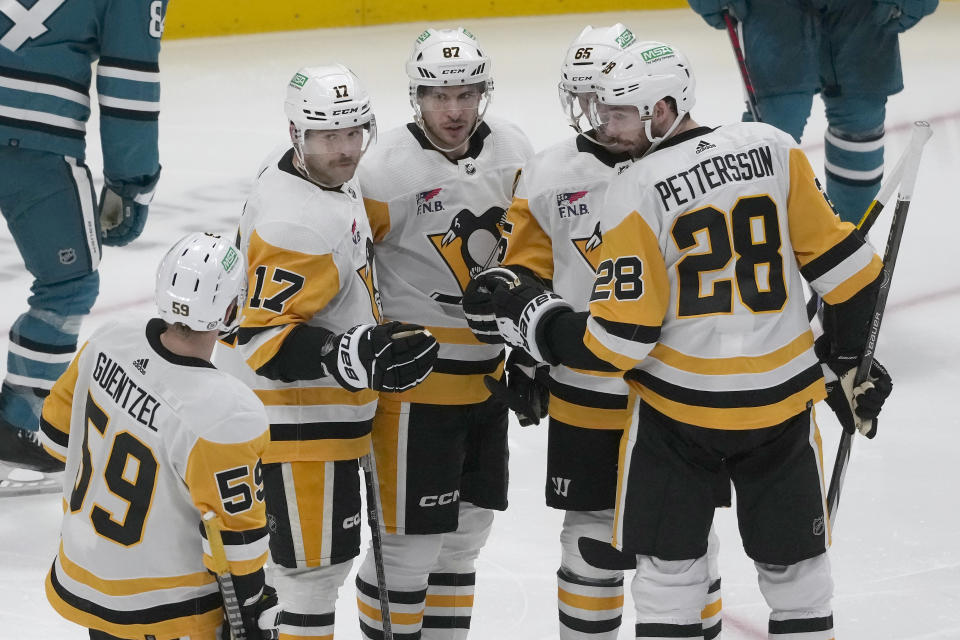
(442, 499)
(451, 72)
(343, 112)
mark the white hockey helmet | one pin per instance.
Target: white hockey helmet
(585, 57)
(641, 76)
(327, 97)
(197, 280)
(448, 57)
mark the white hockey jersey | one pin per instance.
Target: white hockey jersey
(310, 261)
(698, 286)
(152, 440)
(435, 223)
(553, 229)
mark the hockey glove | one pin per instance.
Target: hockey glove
(712, 11)
(899, 15)
(478, 304)
(522, 306)
(261, 616)
(522, 388)
(123, 209)
(856, 408)
(389, 357)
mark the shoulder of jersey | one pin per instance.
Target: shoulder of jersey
(560, 165)
(221, 408)
(754, 131)
(511, 141)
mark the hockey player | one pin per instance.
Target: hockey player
(436, 191)
(698, 298)
(310, 344)
(552, 233)
(148, 454)
(846, 50)
(46, 194)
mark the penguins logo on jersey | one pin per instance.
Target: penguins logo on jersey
(368, 276)
(467, 246)
(589, 247)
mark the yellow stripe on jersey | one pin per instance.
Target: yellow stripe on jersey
(454, 335)
(447, 389)
(130, 586)
(527, 244)
(736, 364)
(378, 214)
(630, 294)
(298, 397)
(317, 450)
(596, 345)
(58, 406)
(286, 288)
(734, 418)
(854, 284)
(590, 417)
(241, 510)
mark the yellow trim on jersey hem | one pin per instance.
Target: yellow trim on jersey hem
(589, 417)
(455, 335)
(593, 343)
(852, 285)
(53, 453)
(447, 389)
(131, 586)
(317, 450)
(196, 626)
(240, 567)
(598, 374)
(306, 396)
(737, 418)
(737, 364)
(589, 603)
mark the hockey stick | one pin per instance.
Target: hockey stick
(221, 568)
(911, 164)
(376, 540)
(736, 41)
(870, 215)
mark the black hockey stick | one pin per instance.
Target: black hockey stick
(869, 216)
(221, 568)
(376, 540)
(736, 41)
(911, 164)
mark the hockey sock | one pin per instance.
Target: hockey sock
(784, 627)
(854, 168)
(589, 609)
(711, 614)
(304, 626)
(406, 611)
(449, 606)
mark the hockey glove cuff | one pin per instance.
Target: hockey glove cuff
(261, 616)
(388, 357)
(523, 387)
(123, 209)
(899, 15)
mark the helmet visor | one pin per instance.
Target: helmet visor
(615, 124)
(330, 156)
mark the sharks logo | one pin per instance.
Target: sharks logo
(368, 276)
(589, 247)
(467, 247)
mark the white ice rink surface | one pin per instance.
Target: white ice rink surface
(896, 551)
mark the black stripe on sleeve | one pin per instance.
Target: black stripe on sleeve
(45, 78)
(42, 347)
(56, 436)
(129, 114)
(633, 332)
(132, 65)
(43, 127)
(832, 257)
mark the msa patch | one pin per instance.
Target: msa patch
(705, 146)
(423, 36)
(427, 201)
(229, 260)
(567, 204)
(625, 38)
(298, 80)
(656, 53)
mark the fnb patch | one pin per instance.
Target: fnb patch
(568, 204)
(428, 202)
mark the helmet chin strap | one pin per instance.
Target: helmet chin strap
(655, 142)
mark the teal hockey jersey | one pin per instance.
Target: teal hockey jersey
(47, 49)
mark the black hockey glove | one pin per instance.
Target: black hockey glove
(260, 615)
(857, 408)
(523, 387)
(478, 305)
(389, 357)
(523, 306)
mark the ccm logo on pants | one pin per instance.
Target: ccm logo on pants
(442, 499)
(352, 521)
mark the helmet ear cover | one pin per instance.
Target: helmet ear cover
(202, 283)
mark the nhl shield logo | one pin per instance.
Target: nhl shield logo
(67, 256)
